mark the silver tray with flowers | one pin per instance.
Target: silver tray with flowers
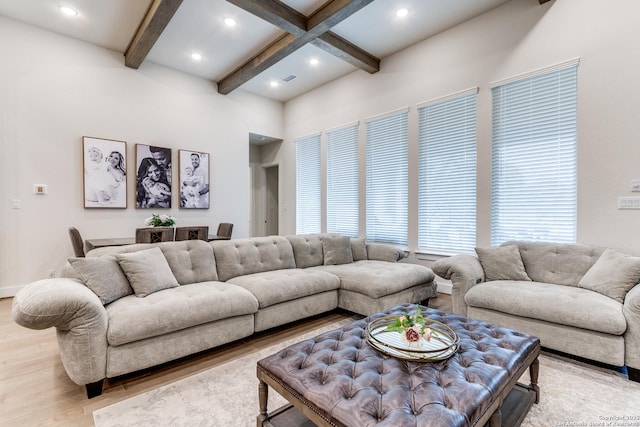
(411, 336)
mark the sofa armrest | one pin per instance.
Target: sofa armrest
(80, 321)
(464, 271)
(385, 252)
(631, 311)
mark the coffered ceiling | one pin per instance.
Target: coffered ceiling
(268, 50)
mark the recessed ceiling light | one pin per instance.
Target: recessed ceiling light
(274, 83)
(314, 61)
(68, 11)
(401, 13)
(229, 22)
(196, 56)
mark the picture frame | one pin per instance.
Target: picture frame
(153, 177)
(194, 179)
(104, 173)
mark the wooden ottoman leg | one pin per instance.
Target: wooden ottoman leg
(263, 396)
(496, 418)
(534, 369)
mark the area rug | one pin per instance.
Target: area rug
(573, 393)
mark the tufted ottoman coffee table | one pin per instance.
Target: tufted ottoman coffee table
(338, 379)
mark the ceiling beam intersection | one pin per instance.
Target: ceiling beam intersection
(300, 31)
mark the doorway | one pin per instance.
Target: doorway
(272, 204)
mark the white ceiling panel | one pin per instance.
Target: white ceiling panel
(198, 27)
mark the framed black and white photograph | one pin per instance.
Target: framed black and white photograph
(194, 179)
(153, 178)
(105, 173)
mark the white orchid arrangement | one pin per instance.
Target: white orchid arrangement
(156, 220)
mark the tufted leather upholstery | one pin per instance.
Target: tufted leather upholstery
(349, 383)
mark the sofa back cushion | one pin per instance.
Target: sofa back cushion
(307, 250)
(191, 261)
(337, 250)
(558, 263)
(255, 255)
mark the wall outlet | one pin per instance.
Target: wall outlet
(628, 202)
(635, 185)
(51, 274)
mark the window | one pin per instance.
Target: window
(387, 178)
(342, 181)
(308, 201)
(447, 174)
(534, 165)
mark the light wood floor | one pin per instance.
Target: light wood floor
(35, 390)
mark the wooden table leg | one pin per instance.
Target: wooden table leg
(263, 396)
(533, 374)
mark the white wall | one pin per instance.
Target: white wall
(54, 90)
(513, 39)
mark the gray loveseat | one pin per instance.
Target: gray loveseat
(577, 299)
(123, 309)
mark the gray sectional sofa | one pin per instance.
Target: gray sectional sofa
(123, 309)
(577, 299)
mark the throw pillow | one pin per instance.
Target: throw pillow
(385, 252)
(103, 276)
(337, 250)
(502, 263)
(359, 249)
(148, 271)
(613, 275)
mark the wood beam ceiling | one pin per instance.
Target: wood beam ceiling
(300, 31)
(158, 16)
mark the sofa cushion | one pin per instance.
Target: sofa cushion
(613, 275)
(273, 287)
(564, 305)
(147, 271)
(337, 250)
(559, 263)
(240, 257)
(359, 249)
(502, 263)
(133, 319)
(385, 252)
(103, 276)
(377, 279)
(307, 250)
(191, 261)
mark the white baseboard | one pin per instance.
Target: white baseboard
(444, 288)
(9, 292)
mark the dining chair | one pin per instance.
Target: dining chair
(224, 230)
(154, 234)
(192, 233)
(76, 242)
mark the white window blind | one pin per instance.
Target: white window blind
(308, 200)
(342, 180)
(534, 165)
(447, 174)
(387, 178)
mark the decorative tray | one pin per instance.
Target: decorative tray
(443, 344)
